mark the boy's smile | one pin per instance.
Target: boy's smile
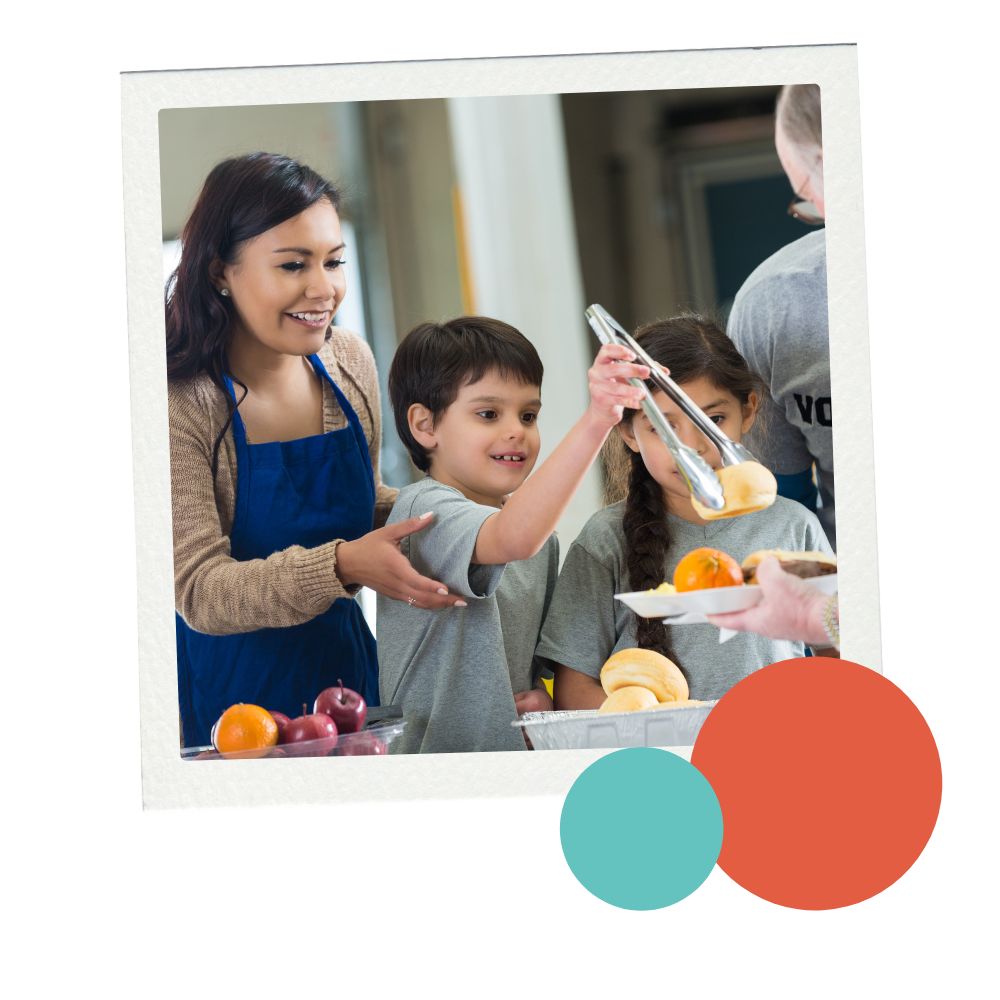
(487, 441)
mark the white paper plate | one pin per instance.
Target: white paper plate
(713, 601)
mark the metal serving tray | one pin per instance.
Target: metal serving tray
(593, 730)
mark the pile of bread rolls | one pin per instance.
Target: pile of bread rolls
(639, 679)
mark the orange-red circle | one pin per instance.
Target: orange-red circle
(828, 778)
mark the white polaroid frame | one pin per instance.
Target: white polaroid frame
(170, 781)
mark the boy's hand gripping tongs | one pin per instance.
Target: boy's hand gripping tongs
(701, 480)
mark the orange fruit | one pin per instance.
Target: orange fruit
(703, 568)
(244, 727)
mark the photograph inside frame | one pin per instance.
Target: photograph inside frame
(496, 423)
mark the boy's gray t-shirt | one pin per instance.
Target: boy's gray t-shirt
(585, 624)
(454, 672)
(780, 323)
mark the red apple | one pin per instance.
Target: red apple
(282, 720)
(317, 726)
(346, 707)
(362, 745)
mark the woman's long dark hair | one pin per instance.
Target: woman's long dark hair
(690, 346)
(242, 197)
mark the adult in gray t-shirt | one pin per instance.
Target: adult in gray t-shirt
(585, 624)
(455, 672)
(780, 324)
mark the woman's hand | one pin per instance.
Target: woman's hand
(610, 393)
(791, 609)
(374, 561)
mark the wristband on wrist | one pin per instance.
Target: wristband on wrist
(831, 621)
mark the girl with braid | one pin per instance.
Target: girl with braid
(636, 543)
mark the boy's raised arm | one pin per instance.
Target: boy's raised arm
(520, 529)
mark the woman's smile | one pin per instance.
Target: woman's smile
(312, 320)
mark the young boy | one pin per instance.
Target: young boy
(466, 396)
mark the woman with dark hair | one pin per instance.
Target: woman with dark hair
(274, 440)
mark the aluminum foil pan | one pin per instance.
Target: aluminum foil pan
(591, 730)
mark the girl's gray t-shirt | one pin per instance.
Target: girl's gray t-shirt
(454, 672)
(585, 624)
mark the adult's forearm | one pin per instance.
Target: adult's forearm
(224, 596)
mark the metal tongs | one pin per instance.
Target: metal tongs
(701, 480)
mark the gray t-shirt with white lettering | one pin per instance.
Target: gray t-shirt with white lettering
(454, 672)
(781, 325)
(585, 624)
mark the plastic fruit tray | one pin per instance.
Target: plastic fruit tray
(344, 745)
(593, 730)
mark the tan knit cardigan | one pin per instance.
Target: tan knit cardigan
(215, 593)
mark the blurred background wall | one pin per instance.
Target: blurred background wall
(523, 208)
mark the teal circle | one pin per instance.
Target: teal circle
(641, 828)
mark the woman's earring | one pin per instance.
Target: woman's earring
(224, 291)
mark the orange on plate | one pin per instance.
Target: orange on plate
(244, 727)
(704, 568)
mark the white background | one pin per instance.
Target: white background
(466, 898)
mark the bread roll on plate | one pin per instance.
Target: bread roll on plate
(746, 487)
(644, 668)
(629, 699)
(801, 564)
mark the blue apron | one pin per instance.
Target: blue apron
(303, 492)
